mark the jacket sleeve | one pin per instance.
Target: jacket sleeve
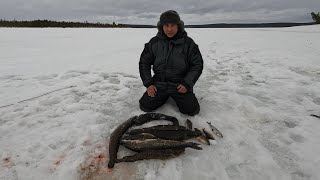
(145, 63)
(196, 67)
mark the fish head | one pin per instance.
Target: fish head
(203, 140)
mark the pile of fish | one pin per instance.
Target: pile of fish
(156, 142)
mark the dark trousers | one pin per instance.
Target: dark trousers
(187, 102)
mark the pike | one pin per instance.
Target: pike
(147, 117)
(115, 138)
(168, 132)
(208, 135)
(215, 130)
(202, 137)
(142, 136)
(153, 154)
(133, 121)
(138, 145)
(188, 124)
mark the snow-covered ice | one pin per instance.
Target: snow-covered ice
(258, 87)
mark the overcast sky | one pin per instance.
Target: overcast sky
(148, 12)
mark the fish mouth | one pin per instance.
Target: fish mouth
(202, 137)
(208, 134)
(203, 140)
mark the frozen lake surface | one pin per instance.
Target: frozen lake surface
(258, 87)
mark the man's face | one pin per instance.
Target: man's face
(170, 29)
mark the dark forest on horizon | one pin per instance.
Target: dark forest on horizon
(61, 24)
(69, 24)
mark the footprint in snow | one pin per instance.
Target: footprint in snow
(290, 124)
(45, 77)
(114, 80)
(73, 74)
(297, 138)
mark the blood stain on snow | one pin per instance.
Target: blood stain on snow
(57, 162)
(95, 166)
(7, 162)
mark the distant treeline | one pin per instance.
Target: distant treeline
(65, 24)
(231, 25)
(50, 23)
(253, 25)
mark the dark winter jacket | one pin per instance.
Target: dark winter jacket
(174, 61)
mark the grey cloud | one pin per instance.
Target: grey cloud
(148, 16)
(148, 12)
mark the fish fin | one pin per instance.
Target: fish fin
(196, 146)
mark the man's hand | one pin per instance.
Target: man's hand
(182, 89)
(152, 90)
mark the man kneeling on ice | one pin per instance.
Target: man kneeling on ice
(177, 64)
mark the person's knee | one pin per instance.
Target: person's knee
(148, 104)
(190, 109)
(195, 111)
(144, 108)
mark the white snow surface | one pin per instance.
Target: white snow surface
(258, 87)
